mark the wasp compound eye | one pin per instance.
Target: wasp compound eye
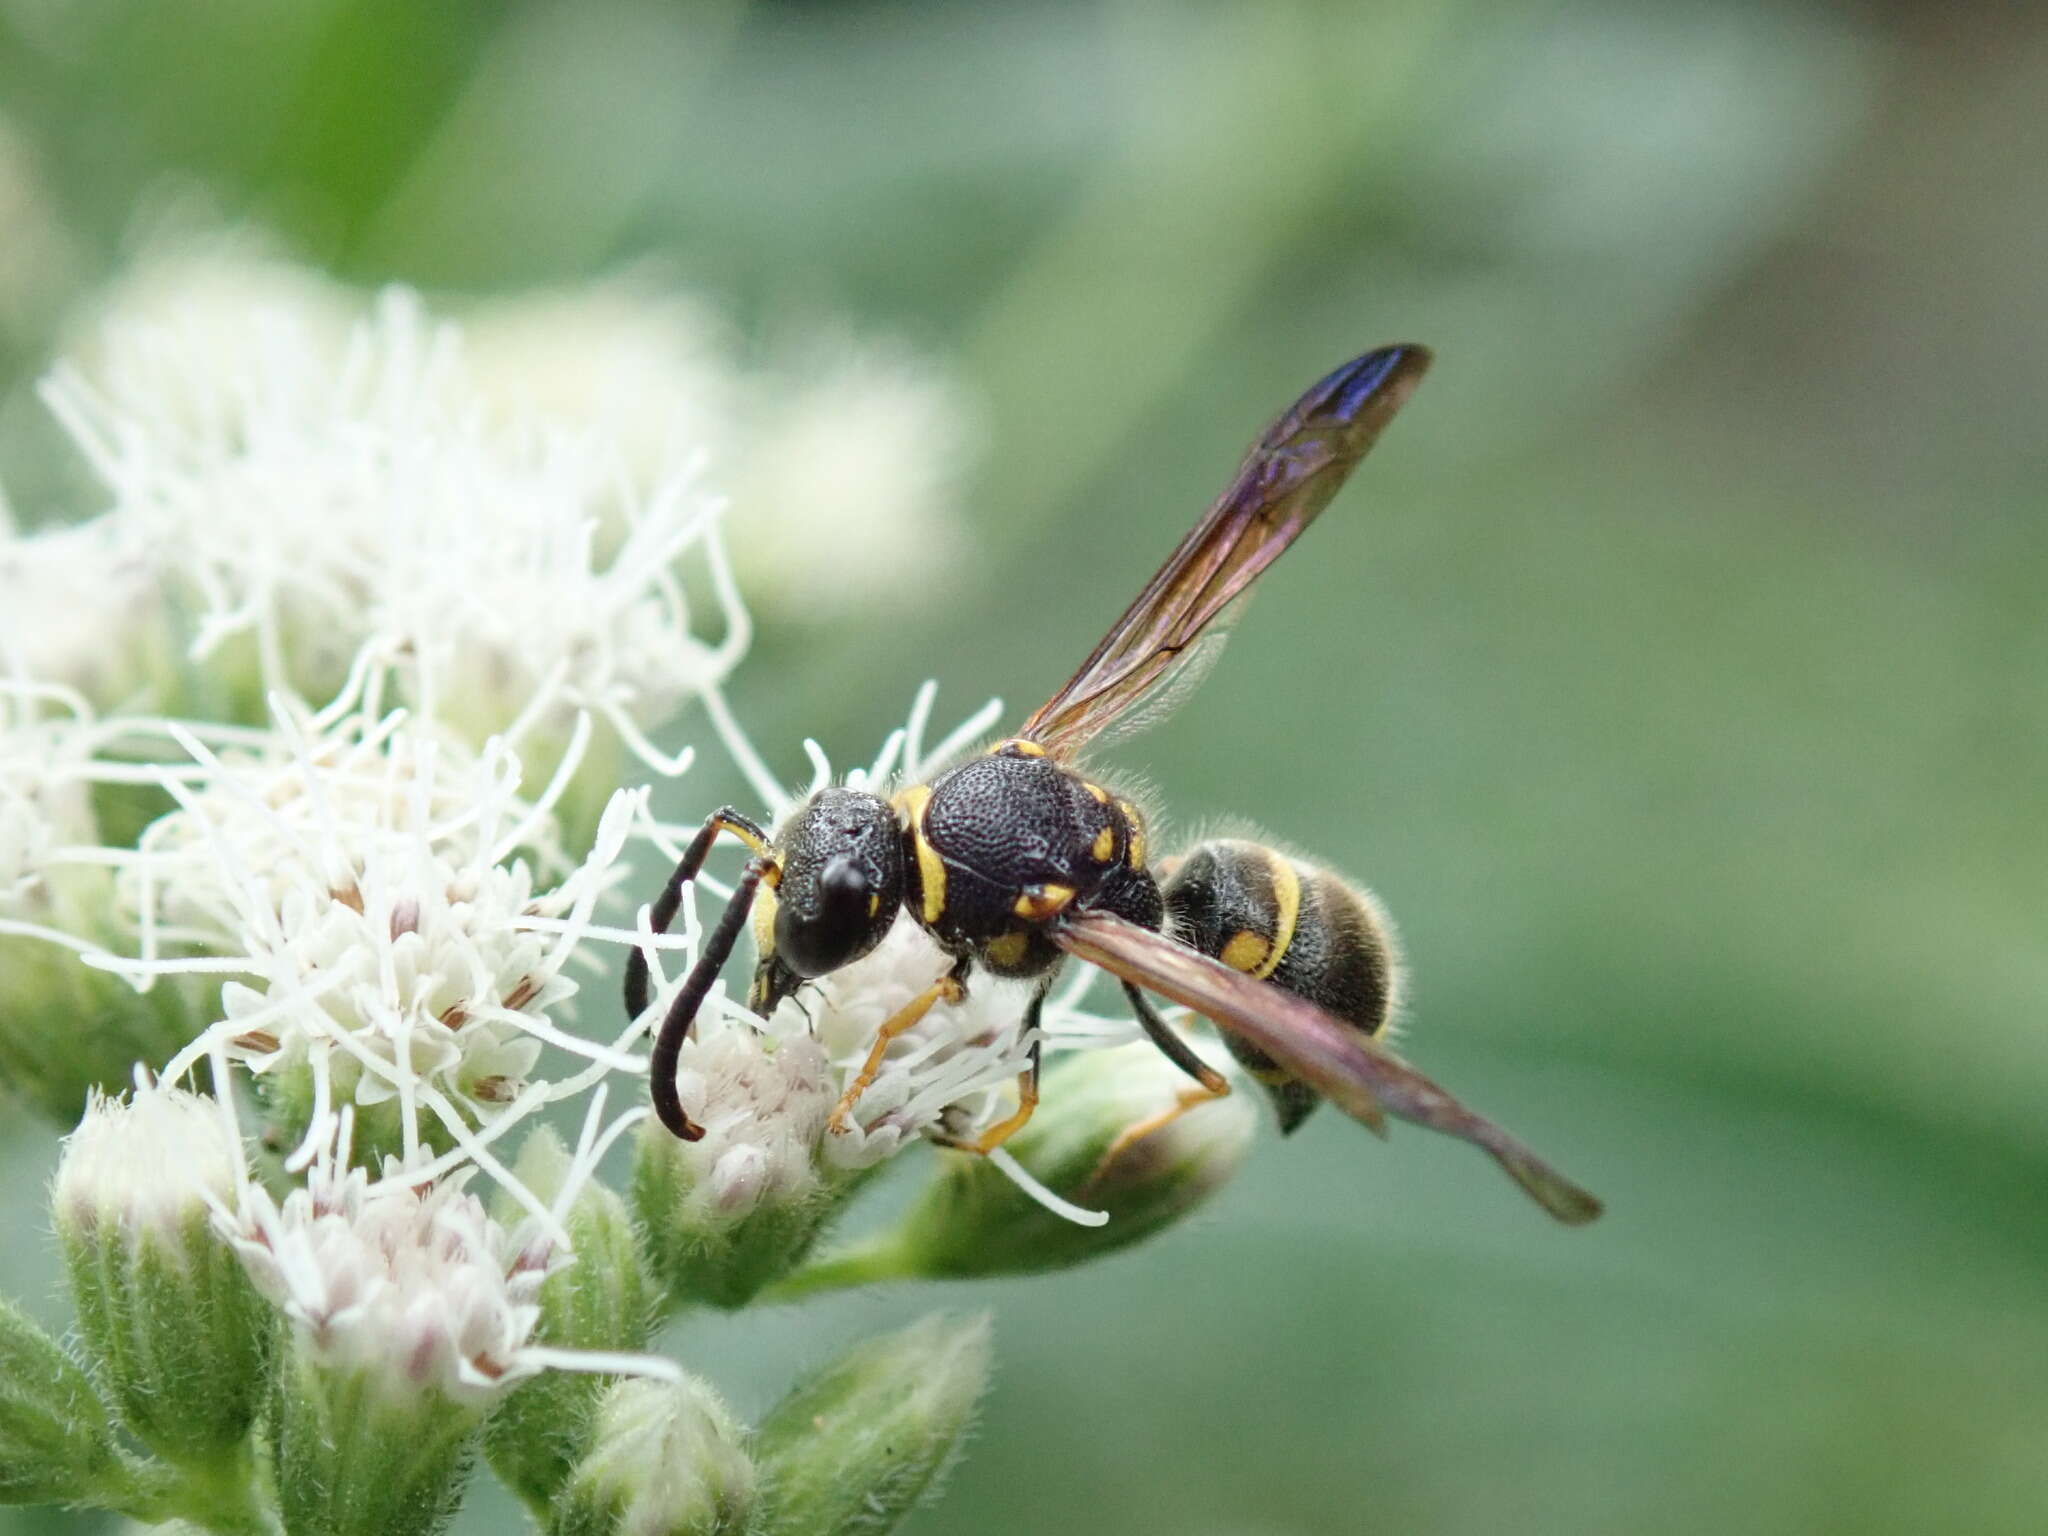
(842, 882)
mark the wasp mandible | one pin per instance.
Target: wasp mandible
(1015, 859)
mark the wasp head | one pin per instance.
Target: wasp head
(841, 854)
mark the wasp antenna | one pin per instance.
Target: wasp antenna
(682, 1013)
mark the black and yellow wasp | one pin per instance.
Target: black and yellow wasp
(1015, 859)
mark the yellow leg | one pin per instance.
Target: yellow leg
(945, 990)
(1003, 1130)
(1131, 1135)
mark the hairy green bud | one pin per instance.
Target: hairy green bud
(669, 1460)
(604, 1299)
(56, 1436)
(731, 1214)
(168, 1314)
(1122, 1132)
(851, 1451)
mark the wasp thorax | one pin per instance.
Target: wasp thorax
(842, 880)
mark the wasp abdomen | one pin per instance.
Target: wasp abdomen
(1299, 927)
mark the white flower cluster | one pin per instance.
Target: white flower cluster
(373, 618)
(366, 881)
(48, 742)
(412, 1281)
(318, 504)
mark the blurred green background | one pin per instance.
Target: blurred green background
(1675, 670)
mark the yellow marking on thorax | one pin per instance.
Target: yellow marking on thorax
(1042, 901)
(1287, 898)
(1103, 846)
(1019, 746)
(1134, 854)
(1008, 951)
(1101, 795)
(931, 869)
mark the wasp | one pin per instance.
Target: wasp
(1017, 859)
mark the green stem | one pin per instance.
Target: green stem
(871, 1264)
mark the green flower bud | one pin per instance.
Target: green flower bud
(165, 1308)
(67, 1028)
(603, 1299)
(1101, 1139)
(851, 1451)
(56, 1437)
(732, 1213)
(355, 1458)
(669, 1460)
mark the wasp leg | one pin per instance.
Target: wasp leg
(682, 1012)
(1131, 1135)
(1003, 1130)
(947, 989)
(1177, 1050)
(670, 901)
(1027, 1093)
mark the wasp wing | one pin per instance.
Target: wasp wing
(1288, 477)
(1351, 1069)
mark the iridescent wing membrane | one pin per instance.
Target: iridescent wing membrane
(1290, 475)
(1353, 1070)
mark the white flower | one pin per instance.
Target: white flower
(408, 1277)
(415, 1285)
(951, 1072)
(314, 500)
(80, 608)
(853, 464)
(654, 366)
(762, 1101)
(364, 880)
(47, 741)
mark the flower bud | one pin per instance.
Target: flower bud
(356, 1458)
(972, 1220)
(668, 1460)
(737, 1210)
(164, 1306)
(67, 1028)
(56, 1438)
(603, 1299)
(409, 1313)
(853, 1449)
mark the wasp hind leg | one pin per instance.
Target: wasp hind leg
(1214, 1084)
(1027, 1092)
